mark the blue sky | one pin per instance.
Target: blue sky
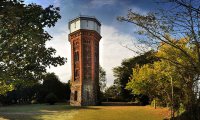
(114, 33)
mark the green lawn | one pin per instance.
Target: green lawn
(65, 112)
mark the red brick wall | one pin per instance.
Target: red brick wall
(86, 42)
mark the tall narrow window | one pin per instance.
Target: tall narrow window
(76, 56)
(76, 74)
(75, 96)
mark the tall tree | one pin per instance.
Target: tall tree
(123, 73)
(164, 80)
(180, 20)
(23, 54)
(112, 93)
(37, 93)
(52, 84)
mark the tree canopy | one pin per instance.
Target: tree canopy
(157, 80)
(23, 54)
(123, 73)
(174, 32)
(52, 84)
(38, 92)
(180, 22)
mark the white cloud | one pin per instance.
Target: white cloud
(61, 44)
(111, 51)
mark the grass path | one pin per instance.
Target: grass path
(64, 112)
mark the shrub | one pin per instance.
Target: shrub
(51, 98)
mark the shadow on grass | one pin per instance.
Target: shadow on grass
(34, 112)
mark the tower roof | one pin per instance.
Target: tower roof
(84, 22)
(85, 17)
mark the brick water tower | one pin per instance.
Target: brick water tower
(84, 38)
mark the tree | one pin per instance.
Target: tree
(67, 87)
(52, 84)
(123, 73)
(102, 79)
(152, 80)
(21, 95)
(51, 98)
(112, 93)
(165, 81)
(23, 54)
(38, 92)
(180, 20)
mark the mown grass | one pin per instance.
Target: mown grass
(65, 112)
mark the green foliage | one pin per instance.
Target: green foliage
(147, 80)
(123, 73)
(36, 93)
(5, 87)
(191, 114)
(156, 80)
(51, 98)
(52, 84)
(24, 56)
(181, 109)
(180, 55)
(112, 93)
